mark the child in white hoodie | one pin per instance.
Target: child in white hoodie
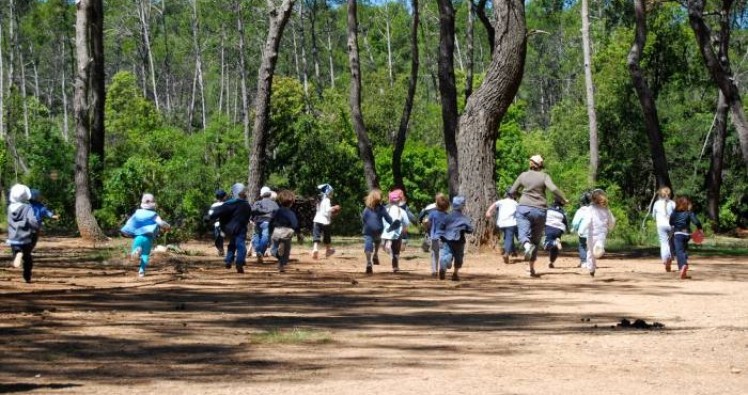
(22, 224)
(600, 223)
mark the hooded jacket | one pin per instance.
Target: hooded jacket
(21, 220)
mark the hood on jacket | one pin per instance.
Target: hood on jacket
(19, 195)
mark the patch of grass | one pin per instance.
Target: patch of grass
(292, 336)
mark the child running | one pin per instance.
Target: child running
(661, 211)
(600, 223)
(374, 217)
(555, 227)
(322, 221)
(579, 226)
(455, 225)
(285, 225)
(233, 216)
(217, 233)
(21, 225)
(144, 226)
(507, 224)
(263, 212)
(41, 212)
(436, 232)
(681, 220)
(393, 236)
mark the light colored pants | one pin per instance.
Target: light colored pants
(664, 234)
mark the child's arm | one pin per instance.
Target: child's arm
(695, 221)
(491, 210)
(162, 224)
(612, 221)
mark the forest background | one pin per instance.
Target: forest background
(174, 105)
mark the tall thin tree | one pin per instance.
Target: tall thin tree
(278, 17)
(354, 100)
(590, 90)
(448, 90)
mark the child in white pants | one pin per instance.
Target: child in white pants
(600, 223)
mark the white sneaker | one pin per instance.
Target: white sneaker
(18, 260)
(529, 249)
(141, 273)
(558, 244)
(315, 254)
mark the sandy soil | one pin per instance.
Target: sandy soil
(88, 325)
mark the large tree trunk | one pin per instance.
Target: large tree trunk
(354, 99)
(397, 153)
(720, 71)
(278, 17)
(448, 90)
(479, 124)
(714, 176)
(590, 89)
(2, 83)
(646, 99)
(87, 225)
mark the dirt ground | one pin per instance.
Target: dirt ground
(88, 325)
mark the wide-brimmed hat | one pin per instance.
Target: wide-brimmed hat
(537, 159)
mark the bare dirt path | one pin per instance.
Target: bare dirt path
(88, 325)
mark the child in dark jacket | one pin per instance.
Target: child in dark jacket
(680, 221)
(263, 212)
(234, 217)
(555, 226)
(373, 218)
(434, 221)
(455, 225)
(285, 225)
(22, 224)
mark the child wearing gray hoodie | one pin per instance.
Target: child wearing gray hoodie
(22, 224)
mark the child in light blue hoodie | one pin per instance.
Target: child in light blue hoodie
(21, 226)
(144, 226)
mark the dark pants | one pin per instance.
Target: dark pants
(582, 249)
(237, 248)
(218, 240)
(551, 235)
(28, 262)
(681, 249)
(509, 233)
(395, 246)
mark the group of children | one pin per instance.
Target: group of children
(275, 224)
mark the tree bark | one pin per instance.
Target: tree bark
(87, 225)
(354, 99)
(98, 100)
(329, 53)
(144, 16)
(490, 30)
(278, 17)
(470, 51)
(315, 48)
(714, 175)
(479, 124)
(590, 89)
(448, 90)
(646, 99)
(198, 64)
(720, 71)
(397, 153)
(2, 83)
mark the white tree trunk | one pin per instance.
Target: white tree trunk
(63, 66)
(23, 95)
(144, 14)
(389, 47)
(329, 54)
(590, 89)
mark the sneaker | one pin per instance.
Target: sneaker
(442, 274)
(240, 268)
(592, 273)
(395, 269)
(369, 270)
(135, 255)
(141, 273)
(315, 254)
(434, 274)
(558, 244)
(529, 250)
(329, 252)
(259, 258)
(220, 253)
(228, 266)
(551, 266)
(281, 269)
(18, 260)
(667, 265)
(375, 260)
(581, 264)
(455, 277)
(533, 274)
(684, 272)
(506, 258)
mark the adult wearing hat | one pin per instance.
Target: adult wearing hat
(532, 207)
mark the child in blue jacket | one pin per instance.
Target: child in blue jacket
(41, 212)
(22, 224)
(373, 218)
(233, 215)
(455, 225)
(144, 226)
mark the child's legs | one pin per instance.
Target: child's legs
(582, 249)
(284, 251)
(681, 249)
(523, 226)
(663, 234)
(458, 252)
(326, 236)
(144, 243)
(435, 248)
(240, 241)
(395, 246)
(218, 239)
(509, 234)
(445, 256)
(551, 236)
(264, 238)
(28, 262)
(230, 250)
(316, 235)
(34, 239)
